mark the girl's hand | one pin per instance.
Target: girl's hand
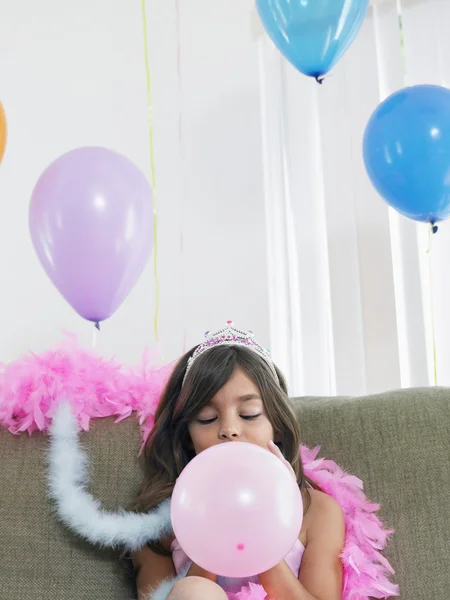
(277, 452)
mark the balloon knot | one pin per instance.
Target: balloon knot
(97, 325)
(320, 79)
(435, 228)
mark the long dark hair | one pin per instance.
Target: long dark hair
(168, 448)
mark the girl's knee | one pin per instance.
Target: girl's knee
(196, 588)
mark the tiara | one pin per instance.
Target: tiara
(230, 336)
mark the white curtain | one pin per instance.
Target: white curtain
(357, 304)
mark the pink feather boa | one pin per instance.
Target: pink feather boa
(31, 387)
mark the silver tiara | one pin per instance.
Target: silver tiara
(230, 336)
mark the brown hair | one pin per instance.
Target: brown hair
(168, 448)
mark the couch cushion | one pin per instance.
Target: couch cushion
(399, 445)
(41, 559)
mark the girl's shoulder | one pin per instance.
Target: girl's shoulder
(322, 501)
(324, 514)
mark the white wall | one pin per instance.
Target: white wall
(72, 74)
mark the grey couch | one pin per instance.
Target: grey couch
(398, 443)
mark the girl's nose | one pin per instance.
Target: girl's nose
(229, 431)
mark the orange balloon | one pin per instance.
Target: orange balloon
(3, 131)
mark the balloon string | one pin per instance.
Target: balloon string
(431, 231)
(152, 165)
(183, 166)
(94, 335)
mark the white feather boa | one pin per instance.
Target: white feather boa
(68, 477)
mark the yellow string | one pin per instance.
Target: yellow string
(152, 165)
(183, 167)
(433, 328)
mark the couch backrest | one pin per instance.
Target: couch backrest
(398, 443)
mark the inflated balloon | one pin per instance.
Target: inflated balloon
(407, 152)
(3, 131)
(236, 510)
(312, 34)
(91, 225)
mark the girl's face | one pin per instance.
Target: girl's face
(235, 414)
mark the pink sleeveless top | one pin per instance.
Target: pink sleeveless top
(231, 584)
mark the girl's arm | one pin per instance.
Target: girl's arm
(151, 569)
(320, 575)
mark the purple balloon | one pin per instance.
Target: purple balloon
(91, 222)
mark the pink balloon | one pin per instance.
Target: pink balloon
(91, 222)
(236, 510)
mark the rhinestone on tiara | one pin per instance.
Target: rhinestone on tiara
(231, 336)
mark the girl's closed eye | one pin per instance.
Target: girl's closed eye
(212, 419)
(206, 421)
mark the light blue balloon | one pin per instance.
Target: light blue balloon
(406, 151)
(312, 34)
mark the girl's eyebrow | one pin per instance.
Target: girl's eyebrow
(246, 397)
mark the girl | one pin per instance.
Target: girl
(228, 389)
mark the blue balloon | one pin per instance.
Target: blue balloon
(406, 151)
(312, 34)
